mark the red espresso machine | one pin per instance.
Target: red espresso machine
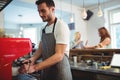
(11, 49)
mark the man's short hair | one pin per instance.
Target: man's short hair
(49, 3)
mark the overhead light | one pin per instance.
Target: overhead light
(71, 17)
(84, 13)
(100, 13)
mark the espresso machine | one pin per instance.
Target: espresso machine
(10, 50)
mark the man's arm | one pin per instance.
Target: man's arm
(57, 57)
(106, 41)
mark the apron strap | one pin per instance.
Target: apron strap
(43, 31)
(54, 24)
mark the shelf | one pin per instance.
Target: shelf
(96, 50)
(4, 3)
(94, 56)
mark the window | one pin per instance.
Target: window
(30, 33)
(115, 27)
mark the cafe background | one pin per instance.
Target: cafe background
(21, 19)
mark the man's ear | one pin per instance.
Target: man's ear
(53, 9)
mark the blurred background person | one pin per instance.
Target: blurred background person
(77, 43)
(105, 39)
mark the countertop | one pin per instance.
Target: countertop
(83, 67)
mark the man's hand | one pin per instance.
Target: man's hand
(22, 70)
(29, 68)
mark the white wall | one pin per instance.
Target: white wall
(80, 25)
(92, 28)
(96, 22)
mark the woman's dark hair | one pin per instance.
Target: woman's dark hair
(49, 3)
(104, 33)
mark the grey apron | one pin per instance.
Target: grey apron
(59, 71)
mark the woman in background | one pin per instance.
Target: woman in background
(77, 43)
(104, 41)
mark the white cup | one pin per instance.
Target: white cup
(75, 59)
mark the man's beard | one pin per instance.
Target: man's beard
(47, 20)
(49, 17)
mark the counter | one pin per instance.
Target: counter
(84, 72)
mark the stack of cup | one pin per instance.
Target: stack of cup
(75, 59)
